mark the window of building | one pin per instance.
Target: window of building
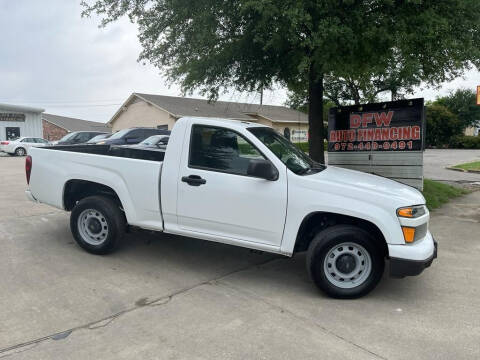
(12, 133)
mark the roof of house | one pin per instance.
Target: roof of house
(20, 108)
(182, 106)
(72, 124)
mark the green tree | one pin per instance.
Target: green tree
(462, 103)
(442, 125)
(213, 45)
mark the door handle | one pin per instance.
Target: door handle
(194, 180)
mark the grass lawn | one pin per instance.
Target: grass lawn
(469, 166)
(437, 193)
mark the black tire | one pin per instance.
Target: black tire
(325, 242)
(20, 151)
(112, 217)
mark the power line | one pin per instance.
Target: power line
(59, 102)
(83, 106)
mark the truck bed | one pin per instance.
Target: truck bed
(133, 174)
(112, 150)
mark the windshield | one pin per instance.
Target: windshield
(120, 134)
(295, 159)
(97, 138)
(152, 140)
(68, 136)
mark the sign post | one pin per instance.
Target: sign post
(386, 139)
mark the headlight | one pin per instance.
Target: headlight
(100, 143)
(411, 211)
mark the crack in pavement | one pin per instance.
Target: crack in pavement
(299, 317)
(104, 322)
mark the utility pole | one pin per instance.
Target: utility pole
(261, 95)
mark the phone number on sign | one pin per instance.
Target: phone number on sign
(393, 145)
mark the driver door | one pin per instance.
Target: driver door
(226, 202)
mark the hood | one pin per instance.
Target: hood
(369, 187)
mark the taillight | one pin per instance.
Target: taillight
(28, 167)
(4, 142)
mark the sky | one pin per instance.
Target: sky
(52, 58)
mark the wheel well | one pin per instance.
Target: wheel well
(315, 222)
(76, 190)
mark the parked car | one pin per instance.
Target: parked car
(98, 138)
(78, 137)
(154, 142)
(21, 146)
(132, 136)
(242, 184)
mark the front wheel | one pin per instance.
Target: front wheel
(97, 224)
(345, 261)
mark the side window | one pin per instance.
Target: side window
(221, 149)
(82, 137)
(164, 141)
(135, 134)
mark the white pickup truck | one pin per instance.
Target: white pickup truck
(242, 184)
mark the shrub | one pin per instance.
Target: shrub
(442, 125)
(304, 146)
(464, 142)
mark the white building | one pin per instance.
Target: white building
(16, 121)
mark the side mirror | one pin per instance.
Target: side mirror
(262, 169)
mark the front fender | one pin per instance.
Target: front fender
(299, 207)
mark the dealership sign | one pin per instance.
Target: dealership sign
(12, 117)
(389, 126)
(384, 139)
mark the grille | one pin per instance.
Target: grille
(420, 231)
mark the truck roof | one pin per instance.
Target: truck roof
(234, 124)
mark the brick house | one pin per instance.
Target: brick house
(55, 126)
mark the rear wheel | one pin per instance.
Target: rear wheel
(20, 151)
(97, 224)
(345, 261)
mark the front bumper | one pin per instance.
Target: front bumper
(405, 267)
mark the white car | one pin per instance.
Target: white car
(240, 183)
(22, 145)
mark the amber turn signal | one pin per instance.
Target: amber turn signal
(411, 211)
(405, 212)
(408, 234)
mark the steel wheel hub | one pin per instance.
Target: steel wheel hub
(93, 227)
(347, 265)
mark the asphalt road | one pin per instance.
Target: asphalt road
(169, 297)
(435, 162)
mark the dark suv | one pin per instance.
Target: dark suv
(132, 136)
(78, 137)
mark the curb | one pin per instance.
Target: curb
(463, 170)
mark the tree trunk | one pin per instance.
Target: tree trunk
(315, 115)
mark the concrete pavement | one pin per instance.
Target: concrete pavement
(170, 297)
